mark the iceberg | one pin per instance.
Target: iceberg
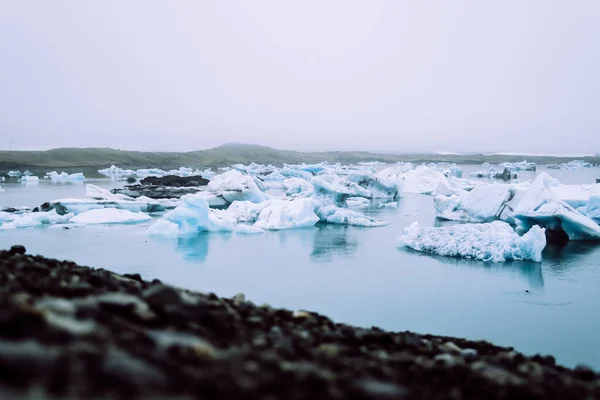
(191, 216)
(422, 179)
(32, 219)
(592, 208)
(358, 203)
(234, 186)
(491, 242)
(335, 215)
(519, 166)
(541, 206)
(289, 172)
(117, 173)
(287, 214)
(296, 185)
(338, 188)
(482, 204)
(379, 188)
(14, 174)
(30, 179)
(64, 177)
(109, 216)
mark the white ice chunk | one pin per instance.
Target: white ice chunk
(338, 187)
(193, 215)
(287, 214)
(592, 208)
(493, 242)
(64, 177)
(358, 203)
(290, 172)
(274, 176)
(482, 204)
(32, 219)
(540, 206)
(14, 174)
(234, 186)
(336, 215)
(296, 186)
(29, 179)
(519, 166)
(110, 216)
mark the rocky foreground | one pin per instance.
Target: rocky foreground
(68, 331)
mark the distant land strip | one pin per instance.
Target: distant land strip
(240, 153)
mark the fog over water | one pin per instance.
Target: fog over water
(350, 75)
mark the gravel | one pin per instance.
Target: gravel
(74, 332)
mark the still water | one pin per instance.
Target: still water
(357, 275)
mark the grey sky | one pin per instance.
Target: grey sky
(373, 75)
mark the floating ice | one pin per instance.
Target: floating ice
(30, 179)
(65, 177)
(193, 215)
(519, 166)
(335, 215)
(287, 214)
(29, 220)
(592, 208)
(482, 204)
(492, 242)
(358, 203)
(296, 186)
(422, 179)
(541, 206)
(110, 216)
(233, 185)
(289, 172)
(14, 174)
(338, 187)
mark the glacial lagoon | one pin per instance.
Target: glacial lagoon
(353, 274)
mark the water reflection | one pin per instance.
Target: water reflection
(333, 241)
(193, 248)
(531, 271)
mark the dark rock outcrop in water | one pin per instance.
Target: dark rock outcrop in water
(74, 332)
(164, 187)
(175, 181)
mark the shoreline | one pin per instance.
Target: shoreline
(70, 331)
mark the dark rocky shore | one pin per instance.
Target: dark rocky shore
(68, 331)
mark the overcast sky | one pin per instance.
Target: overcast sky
(394, 75)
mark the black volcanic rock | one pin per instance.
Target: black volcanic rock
(73, 332)
(174, 181)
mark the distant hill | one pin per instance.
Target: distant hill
(230, 154)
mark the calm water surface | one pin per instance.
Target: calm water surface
(357, 275)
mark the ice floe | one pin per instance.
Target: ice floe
(109, 216)
(31, 219)
(64, 177)
(541, 206)
(492, 242)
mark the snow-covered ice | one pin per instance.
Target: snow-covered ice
(287, 214)
(234, 186)
(482, 204)
(335, 215)
(31, 219)
(191, 216)
(30, 179)
(541, 206)
(519, 166)
(64, 177)
(109, 216)
(492, 242)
